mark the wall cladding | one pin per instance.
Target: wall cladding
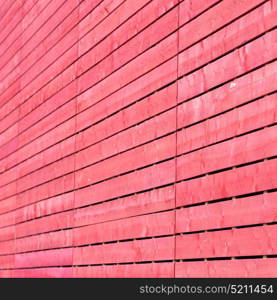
(138, 138)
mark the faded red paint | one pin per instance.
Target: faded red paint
(142, 131)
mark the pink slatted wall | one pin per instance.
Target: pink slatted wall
(138, 138)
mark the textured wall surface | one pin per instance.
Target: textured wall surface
(137, 138)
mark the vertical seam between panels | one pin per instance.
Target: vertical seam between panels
(75, 143)
(176, 125)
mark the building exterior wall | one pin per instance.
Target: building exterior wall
(137, 138)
